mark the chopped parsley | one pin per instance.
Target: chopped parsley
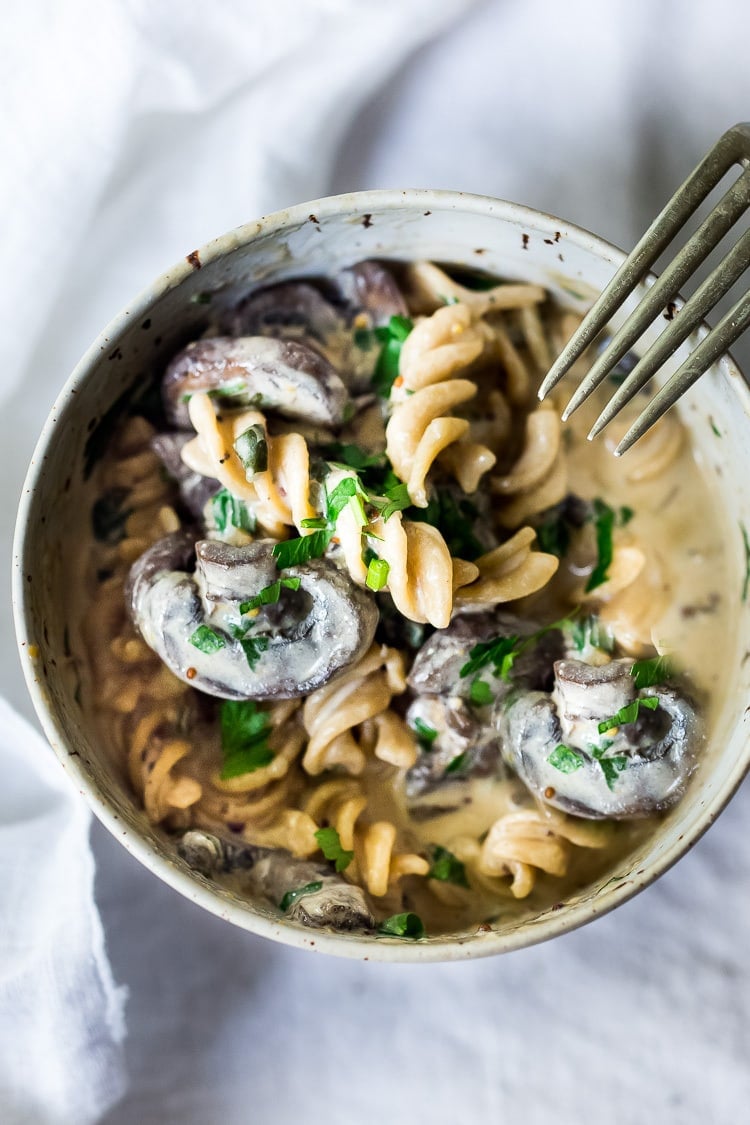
(605, 520)
(397, 497)
(403, 925)
(244, 738)
(252, 648)
(454, 519)
(566, 759)
(500, 653)
(480, 693)
(391, 337)
(352, 456)
(746, 542)
(296, 552)
(269, 595)
(588, 632)
(330, 845)
(646, 673)
(610, 767)
(425, 733)
(229, 511)
(207, 640)
(553, 535)
(252, 449)
(291, 897)
(457, 764)
(447, 868)
(629, 713)
(377, 574)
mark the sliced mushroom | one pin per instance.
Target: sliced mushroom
(273, 874)
(639, 768)
(437, 667)
(370, 287)
(195, 489)
(293, 310)
(462, 747)
(289, 650)
(280, 375)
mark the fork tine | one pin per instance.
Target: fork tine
(693, 312)
(715, 343)
(690, 195)
(711, 231)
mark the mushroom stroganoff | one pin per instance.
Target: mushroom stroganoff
(385, 644)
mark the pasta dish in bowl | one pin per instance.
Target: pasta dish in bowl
(364, 649)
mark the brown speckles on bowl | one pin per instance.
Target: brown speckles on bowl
(367, 221)
(194, 259)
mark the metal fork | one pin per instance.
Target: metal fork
(732, 148)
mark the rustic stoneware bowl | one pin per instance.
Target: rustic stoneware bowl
(319, 237)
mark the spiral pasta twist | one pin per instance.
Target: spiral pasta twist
(509, 572)
(539, 478)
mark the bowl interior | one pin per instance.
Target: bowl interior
(317, 238)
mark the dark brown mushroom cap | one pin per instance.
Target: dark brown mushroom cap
(370, 287)
(283, 376)
(195, 489)
(292, 310)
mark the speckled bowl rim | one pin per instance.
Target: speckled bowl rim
(359, 947)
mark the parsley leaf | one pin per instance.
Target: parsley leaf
(553, 535)
(269, 595)
(480, 693)
(454, 520)
(252, 449)
(296, 552)
(244, 737)
(403, 925)
(589, 632)
(646, 673)
(207, 640)
(353, 456)
(291, 897)
(391, 337)
(252, 648)
(457, 764)
(229, 511)
(604, 522)
(425, 733)
(330, 845)
(447, 868)
(629, 713)
(565, 759)
(501, 653)
(398, 499)
(610, 767)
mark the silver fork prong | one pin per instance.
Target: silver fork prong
(711, 231)
(686, 321)
(701, 181)
(716, 342)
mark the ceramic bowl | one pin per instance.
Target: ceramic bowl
(321, 237)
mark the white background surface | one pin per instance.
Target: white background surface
(594, 112)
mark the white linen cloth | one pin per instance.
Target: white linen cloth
(131, 133)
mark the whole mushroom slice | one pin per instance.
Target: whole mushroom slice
(274, 874)
(639, 768)
(279, 375)
(193, 620)
(437, 667)
(457, 745)
(195, 489)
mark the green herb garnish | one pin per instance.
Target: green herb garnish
(604, 522)
(454, 520)
(330, 845)
(589, 632)
(403, 925)
(447, 868)
(207, 640)
(500, 653)
(480, 693)
(252, 648)
(425, 733)
(398, 499)
(269, 595)
(228, 510)
(457, 763)
(610, 767)
(646, 673)
(296, 552)
(629, 713)
(391, 337)
(565, 759)
(244, 738)
(352, 456)
(252, 449)
(291, 897)
(377, 574)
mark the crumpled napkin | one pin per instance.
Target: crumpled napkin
(257, 98)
